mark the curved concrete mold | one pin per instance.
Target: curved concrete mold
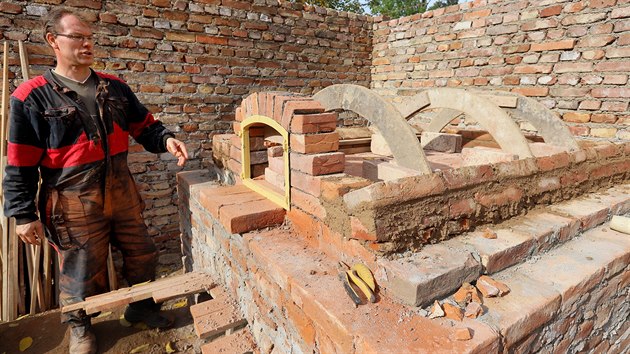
(398, 134)
(498, 123)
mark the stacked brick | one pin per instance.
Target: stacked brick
(192, 62)
(398, 215)
(572, 56)
(313, 145)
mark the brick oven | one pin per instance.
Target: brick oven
(428, 213)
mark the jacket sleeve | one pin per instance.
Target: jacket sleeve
(144, 128)
(24, 153)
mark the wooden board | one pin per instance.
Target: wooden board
(164, 289)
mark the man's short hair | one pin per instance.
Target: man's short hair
(52, 20)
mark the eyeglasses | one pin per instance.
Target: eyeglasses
(76, 37)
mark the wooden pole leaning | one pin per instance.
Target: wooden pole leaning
(10, 286)
(37, 291)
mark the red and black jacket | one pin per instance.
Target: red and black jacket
(52, 133)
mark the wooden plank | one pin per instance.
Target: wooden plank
(190, 288)
(159, 295)
(125, 295)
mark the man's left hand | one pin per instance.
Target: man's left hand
(177, 149)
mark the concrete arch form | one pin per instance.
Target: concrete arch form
(494, 119)
(549, 125)
(399, 136)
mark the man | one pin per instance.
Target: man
(71, 126)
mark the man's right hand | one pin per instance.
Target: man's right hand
(32, 233)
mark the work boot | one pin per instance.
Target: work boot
(147, 311)
(82, 340)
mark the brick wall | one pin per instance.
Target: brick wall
(191, 63)
(573, 56)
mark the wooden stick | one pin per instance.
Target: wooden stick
(20, 273)
(24, 61)
(111, 271)
(29, 268)
(35, 284)
(10, 265)
(47, 276)
(5, 280)
(5, 110)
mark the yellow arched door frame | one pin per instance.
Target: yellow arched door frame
(246, 173)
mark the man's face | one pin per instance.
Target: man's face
(73, 44)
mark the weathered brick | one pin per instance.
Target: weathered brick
(576, 117)
(614, 92)
(559, 45)
(313, 123)
(314, 143)
(10, 8)
(318, 164)
(532, 91)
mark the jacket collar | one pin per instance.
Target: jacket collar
(60, 87)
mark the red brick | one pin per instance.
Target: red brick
(576, 117)
(213, 199)
(202, 38)
(509, 195)
(127, 54)
(359, 231)
(314, 123)
(279, 102)
(532, 91)
(619, 66)
(559, 45)
(10, 8)
(603, 118)
(467, 176)
(292, 108)
(314, 143)
(306, 183)
(548, 163)
(308, 203)
(551, 11)
(235, 167)
(507, 249)
(614, 92)
(477, 14)
(251, 215)
(598, 4)
(301, 322)
(305, 225)
(462, 207)
(573, 178)
(333, 188)
(318, 164)
(274, 178)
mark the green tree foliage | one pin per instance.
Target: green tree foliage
(341, 5)
(397, 8)
(442, 3)
(390, 8)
